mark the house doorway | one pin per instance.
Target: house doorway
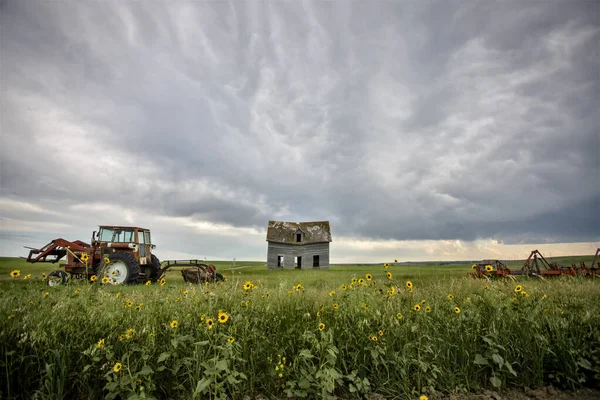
(280, 261)
(299, 262)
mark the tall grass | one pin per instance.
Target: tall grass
(315, 340)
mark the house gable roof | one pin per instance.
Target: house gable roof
(314, 232)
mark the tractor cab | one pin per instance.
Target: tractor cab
(134, 240)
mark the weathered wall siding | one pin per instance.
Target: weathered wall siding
(306, 251)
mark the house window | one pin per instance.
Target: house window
(298, 237)
(315, 261)
(280, 261)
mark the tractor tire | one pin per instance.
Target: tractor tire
(123, 268)
(155, 271)
(57, 278)
(219, 277)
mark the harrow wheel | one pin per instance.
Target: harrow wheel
(122, 268)
(57, 278)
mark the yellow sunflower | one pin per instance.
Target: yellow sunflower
(230, 339)
(369, 277)
(399, 315)
(335, 306)
(117, 367)
(28, 276)
(450, 296)
(386, 265)
(148, 283)
(84, 257)
(380, 333)
(106, 260)
(321, 326)
(174, 324)
(344, 287)
(518, 288)
(409, 285)
(15, 273)
(210, 323)
(457, 310)
(105, 280)
(489, 268)
(223, 317)
(389, 275)
(417, 307)
(100, 343)
(93, 278)
(162, 282)
(427, 309)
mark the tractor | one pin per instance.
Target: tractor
(116, 255)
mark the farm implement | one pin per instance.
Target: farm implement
(116, 255)
(536, 265)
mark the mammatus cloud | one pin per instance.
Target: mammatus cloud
(416, 125)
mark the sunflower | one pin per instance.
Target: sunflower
(489, 268)
(130, 331)
(361, 281)
(223, 317)
(423, 397)
(230, 339)
(422, 302)
(117, 367)
(389, 275)
(409, 285)
(28, 276)
(473, 266)
(44, 276)
(46, 294)
(386, 265)
(344, 287)
(105, 280)
(368, 276)
(148, 283)
(450, 296)
(185, 292)
(332, 293)
(93, 278)
(380, 333)
(203, 316)
(395, 260)
(457, 310)
(15, 273)
(354, 280)
(374, 338)
(78, 290)
(364, 305)
(518, 288)
(335, 306)
(427, 309)
(486, 287)
(321, 326)
(84, 257)
(100, 343)
(173, 324)
(210, 323)
(129, 303)
(106, 260)
(139, 306)
(524, 293)
(417, 307)
(399, 316)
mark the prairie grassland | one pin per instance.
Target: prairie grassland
(301, 334)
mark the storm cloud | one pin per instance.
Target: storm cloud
(396, 121)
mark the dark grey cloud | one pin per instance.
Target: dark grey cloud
(429, 121)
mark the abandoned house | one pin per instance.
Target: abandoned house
(298, 245)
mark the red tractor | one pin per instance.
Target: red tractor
(116, 255)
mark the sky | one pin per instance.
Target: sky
(430, 130)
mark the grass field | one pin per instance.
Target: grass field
(301, 334)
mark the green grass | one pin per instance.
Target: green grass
(498, 339)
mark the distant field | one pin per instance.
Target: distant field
(301, 334)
